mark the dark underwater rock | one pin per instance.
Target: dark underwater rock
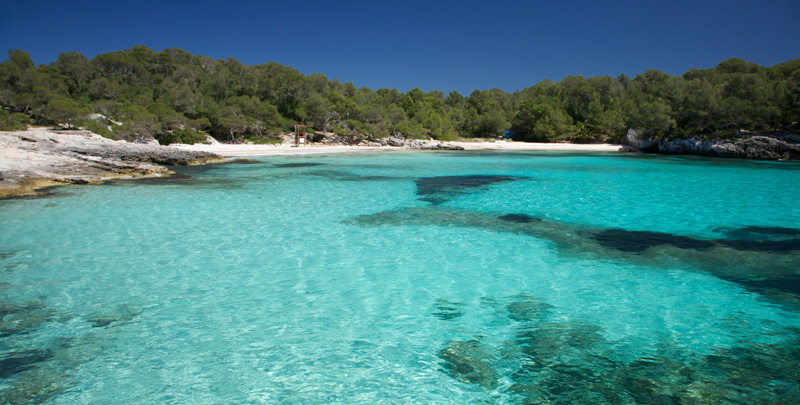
(437, 190)
(432, 185)
(16, 319)
(639, 241)
(470, 361)
(17, 362)
(548, 341)
(771, 246)
(786, 284)
(732, 260)
(564, 362)
(447, 310)
(526, 309)
(118, 315)
(519, 218)
(758, 232)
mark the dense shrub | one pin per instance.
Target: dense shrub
(13, 121)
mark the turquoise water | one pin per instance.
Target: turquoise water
(409, 278)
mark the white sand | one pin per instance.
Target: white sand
(268, 150)
(528, 146)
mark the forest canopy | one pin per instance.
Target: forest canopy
(175, 96)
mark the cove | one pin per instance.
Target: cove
(411, 277)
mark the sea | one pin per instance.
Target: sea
(408, 278)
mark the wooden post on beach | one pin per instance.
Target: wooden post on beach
(299, 135)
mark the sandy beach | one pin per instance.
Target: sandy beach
(271, 150)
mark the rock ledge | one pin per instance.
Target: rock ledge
(38, 157)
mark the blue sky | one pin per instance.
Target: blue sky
(445, 45)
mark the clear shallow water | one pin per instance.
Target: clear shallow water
(350, 279)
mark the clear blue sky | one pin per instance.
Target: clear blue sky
(445, 45)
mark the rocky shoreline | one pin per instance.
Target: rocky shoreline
(765, 146)
(415, 144)
(37, 158)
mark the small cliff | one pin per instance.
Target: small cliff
(767, 146)
(37, 158)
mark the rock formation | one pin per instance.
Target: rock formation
(37, 158)
(768, 146)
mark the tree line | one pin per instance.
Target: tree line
(175, 96)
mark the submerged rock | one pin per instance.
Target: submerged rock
(437, 190)
(771, 246)
(519, 218)
(732, 260)
(574, 362)
(17, 362)
(639, 241)
(38, 385)
(563, 362)
(527, 309)
(470, 361)
(772, 239)
(118, 315)
(787, 284)
(549, 342)
(18, 319)
(759, 233)
(448, 310)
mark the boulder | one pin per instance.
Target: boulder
(633, 139)
(392, 141)
(147, 141)
(430, 145)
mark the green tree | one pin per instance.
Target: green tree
(18, 80)
(12, 121)
(578, 93)
(167, 118)
(137, 122)
(539, 120)
(654, 119)
(104, 88)
(62, 110)
(76, 68)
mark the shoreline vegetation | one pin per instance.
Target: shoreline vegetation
(176, 97)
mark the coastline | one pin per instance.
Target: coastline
(36, 158)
